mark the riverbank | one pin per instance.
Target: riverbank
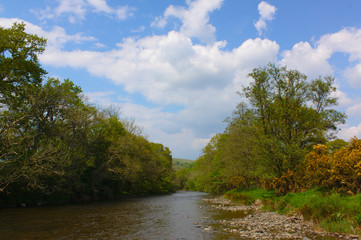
(309, 215)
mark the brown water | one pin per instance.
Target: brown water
(158, 217)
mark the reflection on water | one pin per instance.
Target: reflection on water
(158, 217)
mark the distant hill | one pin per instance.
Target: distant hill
(179, 163)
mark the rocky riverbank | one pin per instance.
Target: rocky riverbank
(258, 224)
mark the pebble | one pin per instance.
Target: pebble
(268, 225)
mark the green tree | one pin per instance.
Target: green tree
(19, 65)
(37, 150)
(293, 113)
(52, 142)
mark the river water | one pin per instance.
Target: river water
(182, 215)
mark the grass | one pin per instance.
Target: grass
(179, 163)
(331, 211)
(249, 196)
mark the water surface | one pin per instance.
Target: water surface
(182, 215)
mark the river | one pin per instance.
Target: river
(182, 215)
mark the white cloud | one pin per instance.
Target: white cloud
(347, 40)
(354, 110)
(57, 37)
(314, 61)
(348, 132)
(100, 6)
(139, 29)
(159, 22)
(353, 75)
(195, 19)
(311, 61)
(102, 98)
(77, 9)
(343, 99)
(266, 12)
(167, 128)
(200, 78)
(168, 69)
(74, 9)
(124, 12)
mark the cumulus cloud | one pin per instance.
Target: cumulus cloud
(314, 60)
(56, 37)
(266, 12)
(195, 19)
(353, 75)
(168, 69)
(354, 110)
(201, 78)
(309, 60)
(77, 9)
(347, 41)
(170, 128)
(343, 99)
(74, 9)
(103, 98)
(348, 132)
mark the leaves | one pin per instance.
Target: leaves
(53, 143)
(269, 136)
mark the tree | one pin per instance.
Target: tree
(53, 142)
(20, 76)
(292, 112)
(47, 139)
(19, 64)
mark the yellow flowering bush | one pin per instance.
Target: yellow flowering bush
(345, 168)
(339, 170)
(236, 182)
(316, 167)
(288, 182)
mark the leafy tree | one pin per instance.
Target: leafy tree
(292, 112)
(19, 65)
(54, 143)
(336, 144)
(269, 136)
(46, 139)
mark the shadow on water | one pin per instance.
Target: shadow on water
(182, 215)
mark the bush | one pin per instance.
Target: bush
(339, 170)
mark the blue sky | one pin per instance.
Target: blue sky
(175, 65)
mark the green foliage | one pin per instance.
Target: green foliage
(182, 170)
(332, 211)
(179, 163)
(248, 196)
(292, 112)
(55, 146)
(336, 144)
(269, 136)
(19, 65)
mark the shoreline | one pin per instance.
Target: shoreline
(260, 224)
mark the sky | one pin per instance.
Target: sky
(174, 66)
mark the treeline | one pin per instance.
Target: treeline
(55, 146)
(269, 139)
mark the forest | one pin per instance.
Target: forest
(281, 137)
(57, 147)
(280, 148)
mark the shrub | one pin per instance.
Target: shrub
(288, 182)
